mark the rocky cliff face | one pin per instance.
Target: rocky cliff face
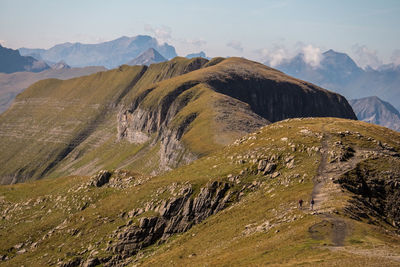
(279, 100)
(138, 125)
(176, 215)
(376, 193)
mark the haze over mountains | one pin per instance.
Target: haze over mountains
(200, 54)
(109, 54)
(376, 111)
(11, 61)
(338, 72)
(335, 71)
(150, 56)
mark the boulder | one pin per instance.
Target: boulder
(100, 178)
(261, 165)
(269, 168)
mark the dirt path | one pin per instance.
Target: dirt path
(320, 179)
(324, 190)
(328, 198)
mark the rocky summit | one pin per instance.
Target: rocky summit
(149, 119)
(148, 57)
(238, 205)
(375, 110)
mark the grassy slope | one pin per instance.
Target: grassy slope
(221, 239)
(73, 123)
(60, 114)
(81, 114)
(60, 111)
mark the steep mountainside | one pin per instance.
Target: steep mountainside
(110, 54)
(149, 119)
(148, 57)
(339, 73)
(14, 83)
(237, 206)
(374, 110)
(11, 61)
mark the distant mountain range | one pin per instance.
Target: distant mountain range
(151, 56)
(147, 58)
(374, 110)
(60, 65)
(200, 54)
(110, 54)
(339, 73)
(11, 61)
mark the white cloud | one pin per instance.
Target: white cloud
(235, 45)
(195, 42)
(278, 56)
(366, 57)
(395, 58)
(274, 56)
(279, 53)
(312, 55)
(162, 34)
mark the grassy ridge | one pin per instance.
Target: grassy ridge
(264, 227)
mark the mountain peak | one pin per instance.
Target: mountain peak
(148, 57)
(109, 54)
(372, 109)
(12, 61)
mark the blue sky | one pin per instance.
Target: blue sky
(263, 30)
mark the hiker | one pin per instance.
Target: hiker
(312, 204)
(300, 203)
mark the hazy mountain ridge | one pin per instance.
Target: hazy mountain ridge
(376, 111)
(200, 54)
(150, 56)
(109, 54)
(11, 61)
(339, 73)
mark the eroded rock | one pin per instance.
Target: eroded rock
(176, 215)
(100, 179)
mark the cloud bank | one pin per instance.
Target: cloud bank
(235, 45)
(312, 55)
(162, 34)
(279, 53)
(366, 57)
(395, 58)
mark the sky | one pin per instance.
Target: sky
(263, 30)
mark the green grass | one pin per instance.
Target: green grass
(222, 238)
